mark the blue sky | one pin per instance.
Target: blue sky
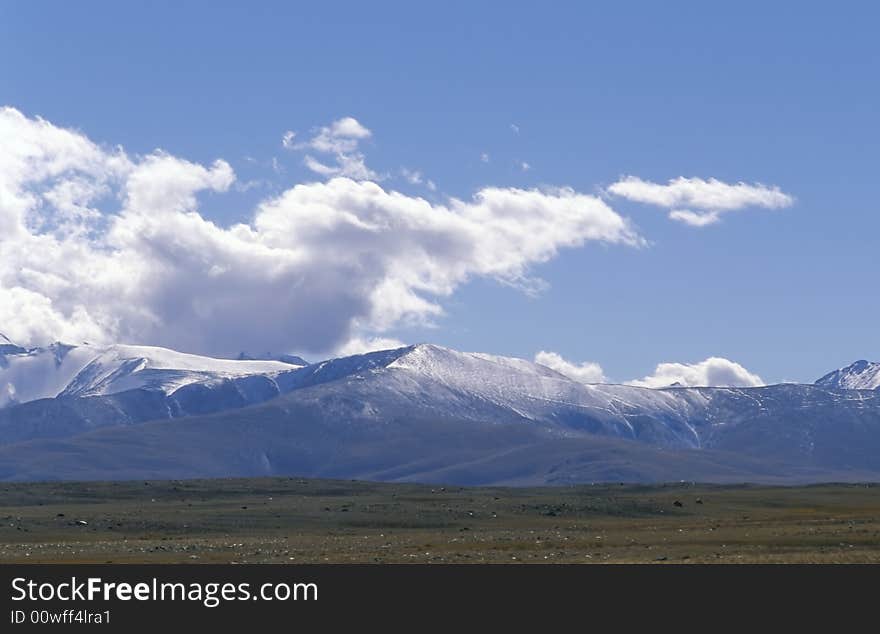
(746, 92)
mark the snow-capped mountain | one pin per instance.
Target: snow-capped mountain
(425, 413)
(61, 370)
(446, 384)
(861, 375)
(483, 387)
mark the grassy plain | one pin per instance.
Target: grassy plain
(317, 521)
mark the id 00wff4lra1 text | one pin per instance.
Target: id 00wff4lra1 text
(60, 617)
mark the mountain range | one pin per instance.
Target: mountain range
(416, 413)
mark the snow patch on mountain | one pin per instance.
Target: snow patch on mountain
(861, 375)
(466, 367)
(538, 393)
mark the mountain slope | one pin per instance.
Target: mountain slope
(82, 371)
(861, 375)
(67, 416)
(61, 391)
(483, 387)
(423, 413)
(433, 414)
(326, 431)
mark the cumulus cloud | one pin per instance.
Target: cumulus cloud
(101, 246)
(713, 372)
(484, 157)
(587, 372)
(33, 155)
(698, 202)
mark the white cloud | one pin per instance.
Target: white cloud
(246, 186)
(710, 198)
(319, 168)
(33, 152)
(514, 128)
(695, 219)
(362, 345)
(167, 184)
(348, 128)
(413, 177)
(416, 177)
(713, 372)
(287, 141)
(484, 157)
(525, 166)
(341, 138)
(347, 165)
(587, 372)
(97, 245)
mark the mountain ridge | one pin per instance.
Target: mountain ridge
(425, 412)
(62, 370)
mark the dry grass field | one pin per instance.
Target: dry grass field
(317, 521)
